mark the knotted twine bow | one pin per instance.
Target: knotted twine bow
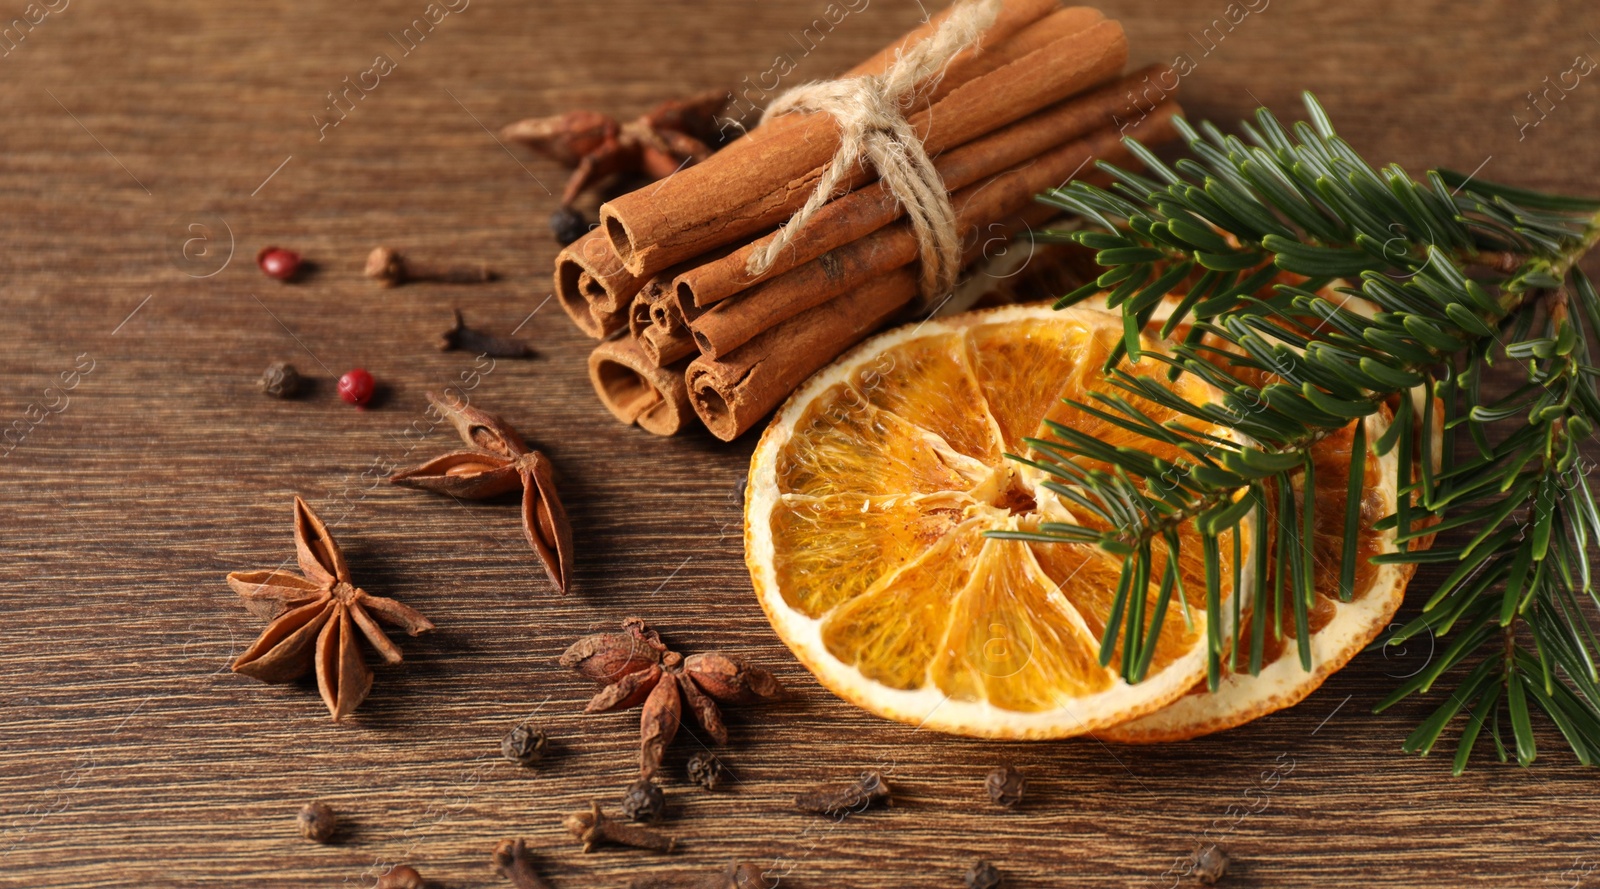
(870, 111)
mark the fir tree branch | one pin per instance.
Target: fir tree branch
(1312, 290)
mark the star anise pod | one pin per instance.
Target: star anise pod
(636, 669)
(595, 145)
(496, 462)
(315, 620)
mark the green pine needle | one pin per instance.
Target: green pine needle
(1458, 273)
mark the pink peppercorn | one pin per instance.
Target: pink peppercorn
(276, 262)
(356, 387)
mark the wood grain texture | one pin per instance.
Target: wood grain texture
(129, 755)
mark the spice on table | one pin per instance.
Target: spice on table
(357, 387)
(846, 797)
(644, 801)
(568, 225)
(984, 875)
(467, 339)
(499, 461)
(281, 380)
(1210, 864)
(1006, 786)
(317, 822)
(401, 877)
(524, 745)
(656, 144)
(594, 828)
(276, 262)
(637, 669)
(513, 861)
(318, 620)
(386, 266)
(705, 769)
(739, 875)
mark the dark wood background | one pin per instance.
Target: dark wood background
(129, 755)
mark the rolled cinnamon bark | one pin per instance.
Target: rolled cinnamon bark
(635, 390)
(873, 206)
(732, 323)
(737, 193)
(1015, 16)
(593, 286)
(732, 393)
(639, 315)
(665, 347)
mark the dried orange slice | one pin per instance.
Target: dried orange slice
(868, 500)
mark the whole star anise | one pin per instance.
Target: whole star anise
(595, 145)
(637, 668)
(497, 462)
(315, 619)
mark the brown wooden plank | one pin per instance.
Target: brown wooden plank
(130, 756)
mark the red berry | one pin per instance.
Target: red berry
(276, 262)
(357, 387)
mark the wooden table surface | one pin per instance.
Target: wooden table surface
(149, 150)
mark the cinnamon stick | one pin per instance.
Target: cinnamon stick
(732, 393)
(593, 286)
(664, 347)
(1015, 16)
(732, 323)
(657, 324)
(635, 390)
(737, 193)
(873, 206)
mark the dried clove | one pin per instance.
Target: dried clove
(386, 266)
(281, 380)
(401, 877)
(739, 875)
(317, 822)
(593, 828)
(524, 746)
(1006, 786)
(1210, 865)
(513, 861)
(476, 341)
(705, 769)
(644, 801)
(984, 875)
(844, 798)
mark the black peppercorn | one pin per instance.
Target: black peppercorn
(568, 225)
(524, 746)
(1006, 786)
(644, 801)
(317, 822)
(1210, 865)
(281, 380)
(983, 875)
(705, 769)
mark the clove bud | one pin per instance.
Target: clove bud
(317, 822)
(467, 339)
(513, 861)
(844, 798)
(593, 828)
(386, 266)
(401, 877)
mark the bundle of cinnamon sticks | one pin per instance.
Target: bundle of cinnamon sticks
(689, 332)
